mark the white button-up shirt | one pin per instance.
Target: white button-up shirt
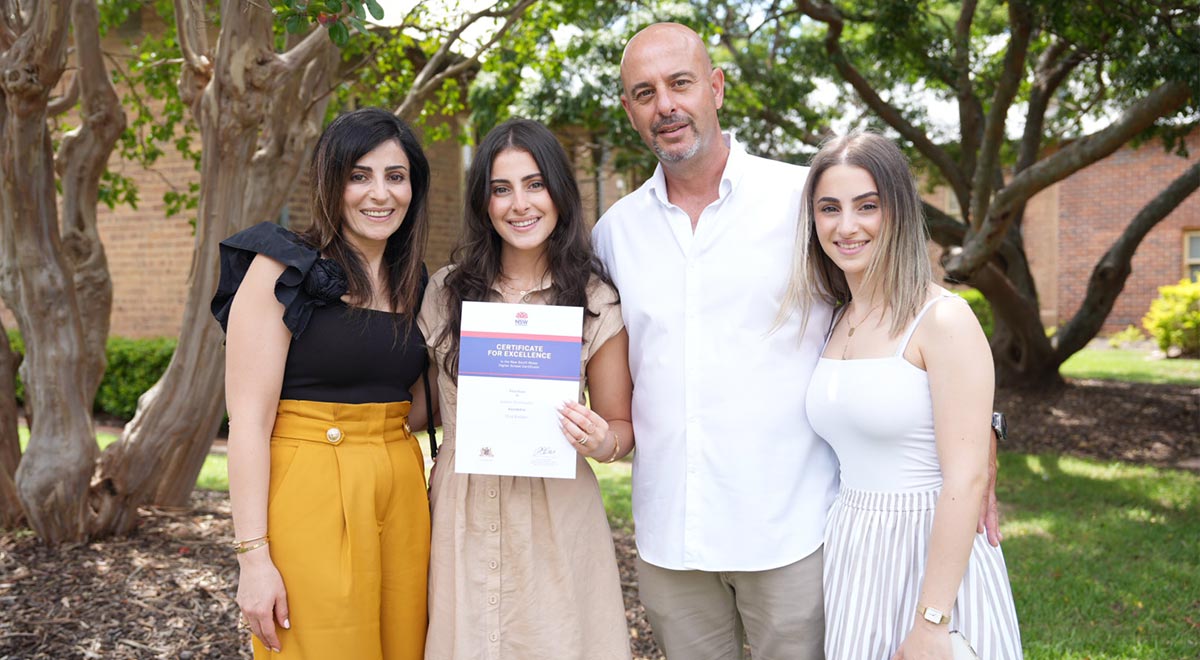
(728, 475)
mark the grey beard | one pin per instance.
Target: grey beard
(666, 156)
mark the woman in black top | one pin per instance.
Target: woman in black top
(327, 483)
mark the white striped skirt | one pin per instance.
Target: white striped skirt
(875, 549)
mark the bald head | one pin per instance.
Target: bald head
(671, 94)
(654, 40)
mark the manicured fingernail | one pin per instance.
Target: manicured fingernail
(287, 624)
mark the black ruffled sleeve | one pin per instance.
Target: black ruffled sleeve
(307, 281)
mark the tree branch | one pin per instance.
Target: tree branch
(1163, 100)
(61, 104)
(193, 38)
(315, 44)
(1109, 276)
(1021, 28)
(1053, 67)
(197, 70)
(970, 110)
(828, 14)
(437, 68)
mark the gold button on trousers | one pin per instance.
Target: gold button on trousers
(348, 517)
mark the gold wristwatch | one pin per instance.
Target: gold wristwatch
(933, 615)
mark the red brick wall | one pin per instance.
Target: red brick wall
(1097, 203)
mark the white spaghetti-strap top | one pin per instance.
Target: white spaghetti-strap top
(877, 415)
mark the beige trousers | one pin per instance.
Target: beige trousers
(701, 615)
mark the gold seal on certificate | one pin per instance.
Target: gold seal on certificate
(516, 365)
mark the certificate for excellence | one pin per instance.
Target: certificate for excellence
(516, 365)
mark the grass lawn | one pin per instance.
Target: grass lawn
(1134, 366)
(1104, 558)
(214, 475)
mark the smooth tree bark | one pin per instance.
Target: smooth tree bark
(36, 278)
(986, 250)
(81, 161)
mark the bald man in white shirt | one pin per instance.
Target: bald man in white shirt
(730, 483)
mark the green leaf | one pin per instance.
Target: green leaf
(295, 24)
(357, 24)
(376, 9)
(333, 6)
(339, 34)
(360, 12)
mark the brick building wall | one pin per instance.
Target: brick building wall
(1094, 207)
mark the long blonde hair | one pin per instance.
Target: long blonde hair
(899, 266)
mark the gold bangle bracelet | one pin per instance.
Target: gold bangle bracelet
(255, 545)
(616, 448)
(238, 545)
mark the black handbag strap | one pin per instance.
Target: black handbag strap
(429, 428)
(433, 447)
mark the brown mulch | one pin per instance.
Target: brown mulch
(167, 592)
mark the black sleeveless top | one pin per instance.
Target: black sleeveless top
(354, 355)
(338, 354)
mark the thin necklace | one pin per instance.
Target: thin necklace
(512, 289)
(853, 326)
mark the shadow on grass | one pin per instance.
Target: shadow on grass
(1104, 557)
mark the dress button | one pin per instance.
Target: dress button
(492, 599)
(493, 527)
(493, 637)
(492, 564)
(491, 492)
(334, 435)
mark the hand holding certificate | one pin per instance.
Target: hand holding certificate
(517, 364)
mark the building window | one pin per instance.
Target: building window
(1191, 254)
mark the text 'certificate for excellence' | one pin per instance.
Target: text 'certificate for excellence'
(516, 365)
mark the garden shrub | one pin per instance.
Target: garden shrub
(981, 307)
(134, 365)
(1174, 319)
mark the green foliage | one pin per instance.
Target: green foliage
(134, 366)
(148, 79)
(1174, 318)
(337, 16)
(1130, 335)
(981, 307)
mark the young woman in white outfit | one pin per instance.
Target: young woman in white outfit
(903, 393)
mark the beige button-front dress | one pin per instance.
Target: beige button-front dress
(521, 568)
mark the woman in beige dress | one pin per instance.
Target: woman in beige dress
(524, 567)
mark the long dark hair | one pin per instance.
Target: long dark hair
(476, 259)
(347, 139)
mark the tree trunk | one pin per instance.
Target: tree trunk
(82, 159)
(11, 514)
(56, 469)
(259, 118)
(1020, 349)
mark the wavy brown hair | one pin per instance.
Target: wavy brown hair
(475, 260)
(347, 139)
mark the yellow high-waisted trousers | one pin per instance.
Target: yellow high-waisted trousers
(348, 517)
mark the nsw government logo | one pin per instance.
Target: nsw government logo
(522, 319)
